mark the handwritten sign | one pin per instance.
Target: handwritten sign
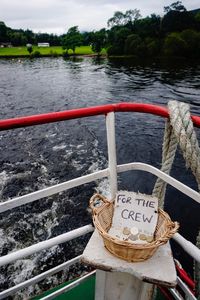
(135, 217)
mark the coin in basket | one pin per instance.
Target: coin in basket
(126, 231)
(132, 237)
(142, 237)
(149, 238)
(134, 231)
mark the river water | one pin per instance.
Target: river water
(37, 157)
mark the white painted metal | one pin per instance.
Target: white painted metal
(100, 284)
(170, 180)
(6, 259)
(39, 277)
(18, 201)
(176, 295)
(121, 286)
(68, 287)
(146, 291)
(186, 290)
(124, 286)
(112, 158)
(102, 277)
(190, 248)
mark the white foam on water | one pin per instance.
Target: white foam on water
(99, 163)
(21, 175)
(43, 169)
(68, 154)
(77, 164)
(4, 238)
(79, 146)
(59, 147)
(26, 267)
(4, 177)
(50, 135)
(46, 219)
(81, 152)
(104, 188)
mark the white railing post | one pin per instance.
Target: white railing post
(101, 276)
(117, 285)
(112, 157)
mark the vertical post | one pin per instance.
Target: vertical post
(101, 276)
(117, 285)
(112, 157)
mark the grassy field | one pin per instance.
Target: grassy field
(44, 51)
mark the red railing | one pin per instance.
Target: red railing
(87, 112)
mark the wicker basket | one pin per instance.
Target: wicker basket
(102, 217)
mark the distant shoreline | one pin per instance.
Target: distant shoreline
(54, 51)
(83, 51)
(49, 55)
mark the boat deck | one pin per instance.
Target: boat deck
(85, 290)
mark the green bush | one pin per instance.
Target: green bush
(117, 38)
(134, 45)
(114, 50)
(152, 47)
(53, 53)
(30, 48)
(65, 53)
(192, 40)
(174, 45)
(36, 54)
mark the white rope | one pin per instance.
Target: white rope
(168, 154)
(182, 124)
(179, 130)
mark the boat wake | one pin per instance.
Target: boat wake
(53, 157)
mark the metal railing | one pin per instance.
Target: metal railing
(110, 172)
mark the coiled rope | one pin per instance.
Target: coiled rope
(179, 130)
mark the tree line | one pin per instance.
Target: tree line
(176, 33)
(20, 37)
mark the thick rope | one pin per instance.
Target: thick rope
(182, 124)
(168, 154)
(180, 132)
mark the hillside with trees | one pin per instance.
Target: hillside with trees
(176, 33)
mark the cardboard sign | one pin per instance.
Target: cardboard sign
(135, 217)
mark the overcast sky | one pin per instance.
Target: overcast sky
(56, 16)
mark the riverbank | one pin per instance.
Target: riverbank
(53, 51)
(86, 51)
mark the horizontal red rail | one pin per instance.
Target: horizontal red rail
(87, 112)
